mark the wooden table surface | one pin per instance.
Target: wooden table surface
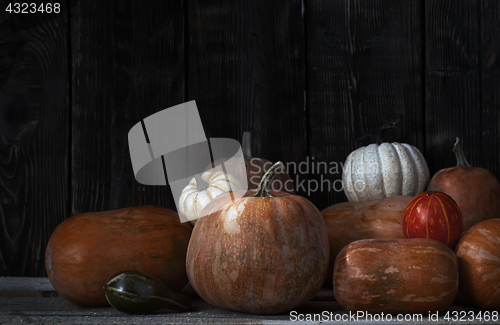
(34, 301)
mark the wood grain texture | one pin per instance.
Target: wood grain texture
(364, 68)
(246, 71)
(311, 79)
(490, 81)
(453, 93)
(34, 134)
(128, 63)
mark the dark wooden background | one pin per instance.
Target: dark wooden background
(308, 78)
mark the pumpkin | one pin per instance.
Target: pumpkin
(478, 253)
(475, 190)
(86, 249)
(433, 215)
(396, 276)
(264, 253)
(350, 221)
(255, 168)
(378, 171)
(200, 191)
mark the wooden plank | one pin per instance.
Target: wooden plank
(453, 97)
(247, 73)
(490, 79)
(364, 68)
(17, 283)
(34, 141)
(128, 63)
(37, 310)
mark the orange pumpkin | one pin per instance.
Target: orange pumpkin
(478, 254)
(86, 249)
(350, 221)
(475, 190)
(396, 276)
(264, 253)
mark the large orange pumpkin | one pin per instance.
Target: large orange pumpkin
(264, 253)
(86, 249)
(475, 190)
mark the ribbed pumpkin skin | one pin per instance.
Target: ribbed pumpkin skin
(86, 249)
(396, 276)
(261, 255)
(478, 253)
(433, 215)
(192, 201)
(378, 171)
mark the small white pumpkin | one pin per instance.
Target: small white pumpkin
(195, 197)
(379, 171)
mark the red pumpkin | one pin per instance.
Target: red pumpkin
(86, 249)
(264, 253)
(433, 215)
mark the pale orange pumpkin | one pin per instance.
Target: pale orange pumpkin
(264, 253)
(350, 221)
(396, 276)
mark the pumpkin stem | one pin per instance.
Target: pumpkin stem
(175, 301)
(460, 155)
(200, 183)
(246, 145)
(383, 128)
(265, 183)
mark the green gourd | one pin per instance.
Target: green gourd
(138, 293)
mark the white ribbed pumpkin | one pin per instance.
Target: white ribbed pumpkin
(379, 171)
(193, 200)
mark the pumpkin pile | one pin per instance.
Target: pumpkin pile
(400, 245)
(264, 253)
(377, 271)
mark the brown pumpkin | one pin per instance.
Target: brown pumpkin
(86, 249)
(396, 276)
(264, 253)
(475, 190)
(351, 221)
(255, 169)
(478, 253)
